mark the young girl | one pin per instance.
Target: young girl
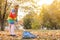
(11, 20)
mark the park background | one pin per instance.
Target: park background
(41, 16)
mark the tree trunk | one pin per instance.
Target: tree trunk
(2, 25)
(0, 12)
(3, 18)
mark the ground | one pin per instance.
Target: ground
(42, 35)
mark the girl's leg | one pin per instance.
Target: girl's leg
(12, 29)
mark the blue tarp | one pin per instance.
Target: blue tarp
(27, 35)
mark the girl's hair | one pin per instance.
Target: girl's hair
(16, 5)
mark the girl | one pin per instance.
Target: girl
(11, 20)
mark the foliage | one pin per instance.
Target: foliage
(32, 20)
(35, 24)
(27, 21)
(51, 15)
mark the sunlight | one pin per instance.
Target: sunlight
(39, 2)
(20, 14)
(47, 2)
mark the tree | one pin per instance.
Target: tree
(31, 9)
(3, 13)
(51, 15)
(31, 21)
(27, 21)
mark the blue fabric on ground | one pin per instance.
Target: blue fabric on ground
(27, 35)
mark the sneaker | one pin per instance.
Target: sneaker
(13, 35)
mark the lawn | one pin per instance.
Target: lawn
(42, 35)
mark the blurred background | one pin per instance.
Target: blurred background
(32, 14)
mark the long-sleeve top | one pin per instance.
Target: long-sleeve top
(12, 16)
